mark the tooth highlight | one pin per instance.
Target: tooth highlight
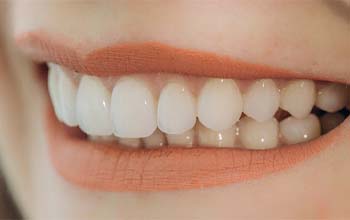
(156, 140)
(262, 99)
(330, 121)
(67, 92)
(258, 135)
(332, 97)
(176, 109)
(133, 109)
(186, 139)
(53, 90)
(298, 97)
(296, 131)
(93, 107)
(220, 104)
(210, 138)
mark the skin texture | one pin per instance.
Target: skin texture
(302, 36)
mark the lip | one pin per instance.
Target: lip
(108, 167)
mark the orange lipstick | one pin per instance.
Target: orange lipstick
(109, 167)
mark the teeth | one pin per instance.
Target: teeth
(176, 109)
(262, 100)
(220, 104)
(67, 92)
(133, 109)
(157, 139)
(258, 135)
(130, 142)
(298, 97)
(296, 131)
(53, 90)
(110, 138)
(185, 139)
(332, 97)
(330, 121)
(131, 114)
(93, 107)
(210, 138)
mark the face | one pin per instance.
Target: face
(177, 109)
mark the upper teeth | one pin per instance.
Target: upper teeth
(132, 109)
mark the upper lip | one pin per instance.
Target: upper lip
(115, 169)
(150, 57)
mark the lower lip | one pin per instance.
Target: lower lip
(108, 167)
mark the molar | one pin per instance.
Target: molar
(296, 131)
(298, 97)
(258, 135)
(329, 121)
(332, 97)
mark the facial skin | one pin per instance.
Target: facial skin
(304, 36)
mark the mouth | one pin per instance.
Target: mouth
(151, 117)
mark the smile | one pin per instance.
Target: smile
(150, 117)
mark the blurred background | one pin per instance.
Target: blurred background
(8, 209)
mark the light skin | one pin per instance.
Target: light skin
(301, 36)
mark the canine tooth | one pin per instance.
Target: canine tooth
(262, 99)
(296, 131)
(130, 142)
(93, 107)
(210, 138)
(53, 80)
(298, 97)
(176, 109)
(157, 139)
(67, 93)
(332, 97)
(220, 104)
(330, 121)
(133, 109)
(258, 135)
(185, 139)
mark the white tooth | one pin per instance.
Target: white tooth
(93, 107)
(176, 109)
(298, 97)
(185, 139)
(295, 130)
(262, 100)
(210, 138)
(133, 109)
(220, 104)
(130, 142)
(157, 139)
(110, 138)
(332, 97)
(330, 121)
(258, 135)
(67, 93)
(53, 81)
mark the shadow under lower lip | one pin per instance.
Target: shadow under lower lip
(111, 168)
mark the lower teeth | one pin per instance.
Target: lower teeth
(228, 113)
